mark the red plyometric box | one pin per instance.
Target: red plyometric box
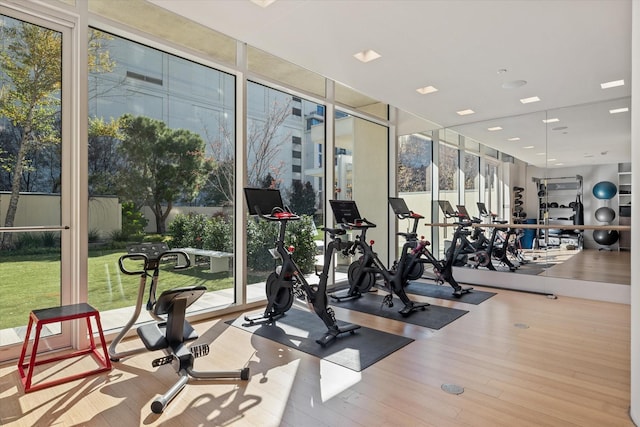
(60, 314)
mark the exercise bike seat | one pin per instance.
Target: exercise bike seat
(154, 336)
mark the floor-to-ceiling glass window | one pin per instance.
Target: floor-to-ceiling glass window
(161, 157)
(414, 178)
(285, 139)
(361, 164)
(471, 173)
(492, 187)
(33, 184)
(448, 185)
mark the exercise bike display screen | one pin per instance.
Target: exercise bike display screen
(345, 211)
(446, 207)
(482, 208)
(263, 200)
(462, 212)
(399, 206)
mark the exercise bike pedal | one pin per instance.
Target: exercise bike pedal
(162, 361)
(388, 300)
(459, 292)
(332, 334)
(199, 350)
(410, 308)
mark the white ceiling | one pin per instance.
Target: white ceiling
(563, 49)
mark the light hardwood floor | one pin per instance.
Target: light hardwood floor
(523, 360)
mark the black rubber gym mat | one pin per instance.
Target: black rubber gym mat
(446, 292)
(299, 329)
(433, 316)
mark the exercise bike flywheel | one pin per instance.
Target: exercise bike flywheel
(284, 295)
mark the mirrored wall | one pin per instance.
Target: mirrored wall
(571, 167)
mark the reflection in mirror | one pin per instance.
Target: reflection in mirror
(564, 159)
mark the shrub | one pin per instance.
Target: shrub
(262, 235)
(216, 233)
(94, 235)
(219, 234)
(202, 232)
(27, 241)
(133, 221)
(50, 239)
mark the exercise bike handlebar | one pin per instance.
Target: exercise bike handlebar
(278, 214)
(409, 215)
(358, 224)
(151, 263)
(333, 232)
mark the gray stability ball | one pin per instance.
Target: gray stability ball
(605, 214)
(605, 237)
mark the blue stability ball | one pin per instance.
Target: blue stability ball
(605, 237)
(605, 214)
(604, 190)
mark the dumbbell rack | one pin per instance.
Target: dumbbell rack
(556, 205)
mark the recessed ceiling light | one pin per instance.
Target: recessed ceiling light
(619, 110)
(541, 154)
(263, 3)
(559, 164)
(465, 112)
(609, 85)
(513, 84)
(551, 120)
(528, 147)
(493, 129)
(515, 138)
(551, 160)
(425, 90)
(367, 55)
(530, 100)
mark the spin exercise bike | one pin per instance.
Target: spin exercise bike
(416, 251)
(287, 283)
(502, 243)
(363, 272)
(171, 330)
(463, 251)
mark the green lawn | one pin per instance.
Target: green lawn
(29, 282)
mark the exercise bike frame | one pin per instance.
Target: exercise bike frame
(364, 271)
(171, 332)
(149, 264)
(288, 282)
(416, 253)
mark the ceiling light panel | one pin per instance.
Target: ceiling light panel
(619, 110)
(609, 85)
(530, 100)
(263, 3)
(493, 129)
(515, 138)
(367, 55)
(465, 112)
(426, 90)
(554, 120)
